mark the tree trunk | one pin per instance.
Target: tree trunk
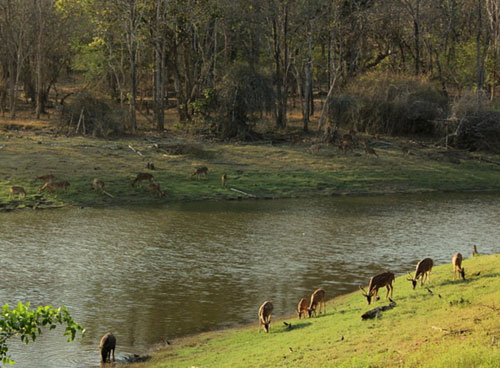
(39, 60)
(159, 99)
(308, 81)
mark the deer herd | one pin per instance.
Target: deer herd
(52, 186)
(384, 279)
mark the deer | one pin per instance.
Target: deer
(386, 279)
(155, 188)
(55, 186)
(97, 184)
(345, 146)
(142, 177)
(456, 261)
(224, 180)
(302, 308)
(422, 271)
(370, 151)
(19, 191)
(200, 170)
(474, 251)
(265, 312)
(48, 177)
(107, 346)
(318, 297)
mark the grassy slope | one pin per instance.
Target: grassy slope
(260, 169)
(403, 336)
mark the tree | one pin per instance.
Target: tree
(27, 323)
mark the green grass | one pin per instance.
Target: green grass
(455, 326)
(261, 170)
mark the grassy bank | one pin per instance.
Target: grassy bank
(264, 169)
(454, 326)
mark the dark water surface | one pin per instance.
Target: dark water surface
(151, 274)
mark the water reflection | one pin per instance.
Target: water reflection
(151, 274)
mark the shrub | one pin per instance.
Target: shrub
(87, 114)
(388, 104)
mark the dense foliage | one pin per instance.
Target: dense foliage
(27, 323)
(141, 52)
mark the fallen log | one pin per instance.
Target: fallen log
(242, 192)
(372, 313)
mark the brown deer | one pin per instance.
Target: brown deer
(474, 251)
(107, 346)
(302, 308)
(155, 188)
(265, 312)
(55, 186)
(422, 271)
(318, 297)
(370, 151)
(456, 261)
(97, 184)
(19, 191)
(200, 170)
(142, 177)
(224, 179)
(48, 177)
(345, 146)
(386, 279)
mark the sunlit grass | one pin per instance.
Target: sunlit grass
(455, 324)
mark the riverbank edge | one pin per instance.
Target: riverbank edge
(180, 348)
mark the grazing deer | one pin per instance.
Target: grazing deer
(224, 179)
(422, 271)
(200, 170)
(474, 251)
(456, 261)
(370, 151)
(97, 184)
(345, 146)
(265, 312)
(19, 191)
(318, 297)
(48, 177)
(142, 177)
(55, 186)
(155, 188)
(302, 308)
(386, 279)
(107, 346)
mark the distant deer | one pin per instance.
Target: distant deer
(318, 297)
(107, 346)
(386, 279)
(474, 251)
(142, 177)
(456, 261)
(302, 308)
(19, 191)
(155, 188)
(422, 272)
(345, 146)
(224, 179)
(48, 177)
(55, 186)
(405, 150)
(265, 312)
(200, 170)
(370, 151)
(97, 184)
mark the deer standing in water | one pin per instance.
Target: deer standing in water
(318, 297)
(142, 177)
(302, 308)
(422, 272)
(107, 346)
(19, 191)
(386, 279)
(456, 261)
(265, 312)
(200, 170)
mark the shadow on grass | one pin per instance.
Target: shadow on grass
(294, 326)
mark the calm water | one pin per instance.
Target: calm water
(152, 274)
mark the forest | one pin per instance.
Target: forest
(396, 67)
